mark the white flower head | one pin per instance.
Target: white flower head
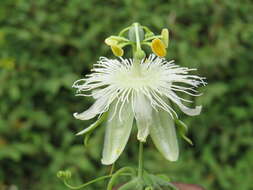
(143, 92)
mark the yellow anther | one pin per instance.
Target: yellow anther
(158, 47)
(117, 50)
(165, 37)
(109, 41)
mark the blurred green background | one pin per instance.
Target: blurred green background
(46, 45)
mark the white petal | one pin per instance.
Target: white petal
(117, 133)
(97, 108)
(163, 134)
(143, 116)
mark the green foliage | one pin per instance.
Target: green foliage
(46, 45)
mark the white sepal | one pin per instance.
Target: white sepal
(117, 132)
(163, 134)
(98, 107)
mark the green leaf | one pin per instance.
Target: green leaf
(162, 182)
(131, 185)
(163, 176)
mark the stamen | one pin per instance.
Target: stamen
(158, 47)
(159, 80)
(117, 50)
(165, 37)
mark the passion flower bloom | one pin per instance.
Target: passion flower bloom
(144, 92)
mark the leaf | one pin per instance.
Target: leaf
(131, 185)
(162, 182)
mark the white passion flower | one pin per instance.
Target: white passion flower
(143, 92)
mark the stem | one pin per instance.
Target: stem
(115, 176)
(140, 167)
(123, 31)
(152, 37)
(146, 29)
(112, 169)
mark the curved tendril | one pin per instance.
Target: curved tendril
(92, 181)
(86, 184)
(117, 174)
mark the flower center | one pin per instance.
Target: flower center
(131, 78)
